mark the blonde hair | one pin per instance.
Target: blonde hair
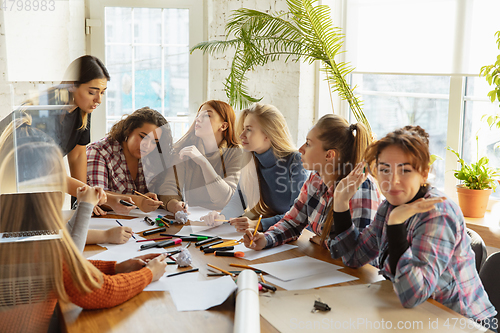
(274, 126)
(40, 263)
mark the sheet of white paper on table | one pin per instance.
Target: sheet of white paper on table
(313, 281)
(252, 254)
(192, 229)
(201, 295)
(295, 268)
(224, 231)
(137, 224)
(165, 283)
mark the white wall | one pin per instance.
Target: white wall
(278, 83)
(68, 20)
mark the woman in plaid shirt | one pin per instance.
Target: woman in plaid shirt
(418, 235)
(331, 150)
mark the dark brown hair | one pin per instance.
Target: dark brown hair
(413, 140)
(350, 142)
(122, 129)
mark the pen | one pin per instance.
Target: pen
(203, 247)
(206, 241)
(121, 225)
(149, 221)
(212, 250)
(262, 278)
(228, 243)
(142, 195)
(200, 235)
(187, 238)
(153, 239)
(153, 231)
(188, 271)
(243, 266)
(256, 228)
(220, 269)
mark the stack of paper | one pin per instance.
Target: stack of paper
(303, 273)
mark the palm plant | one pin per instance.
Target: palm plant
(304, 33)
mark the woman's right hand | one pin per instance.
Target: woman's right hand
(210, 218)
(118, 235)
(157, 266)
(259, 241)
(88, 194)
(116, 206)
(347, 187)
(148, 205)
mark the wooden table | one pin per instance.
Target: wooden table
(154, 311)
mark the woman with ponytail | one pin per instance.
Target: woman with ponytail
(332, 149)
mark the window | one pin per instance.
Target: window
(146, 51)
(393, 101)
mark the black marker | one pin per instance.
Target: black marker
(212, 250)
(206, 241)
(126, 203)
(268, 286)
(203, 247)
(161, 244)
(153, 231)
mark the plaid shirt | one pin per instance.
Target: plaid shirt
(439, 262)
(311, 209)
(107, 168)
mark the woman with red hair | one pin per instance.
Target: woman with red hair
(207, 161)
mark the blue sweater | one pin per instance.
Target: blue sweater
(282, 180)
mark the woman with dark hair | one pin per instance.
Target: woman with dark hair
(116, 162)
(207, 163)
(418, 234)
(67, 119)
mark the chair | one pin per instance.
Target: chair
(477, 244)
(490, 274)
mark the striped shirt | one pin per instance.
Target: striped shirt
(107, 168)
(312, 206)
(439, 263)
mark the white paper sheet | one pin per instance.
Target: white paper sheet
(252, 254)
(295, 268)
(201, 295)
(313, 281)
(154, 214)
(137, 224)
(164, 283)
(224, 231)
(192, 229)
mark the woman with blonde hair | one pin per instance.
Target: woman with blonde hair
(270, 184)
(206, 163)
(37, 272)
(332, 149)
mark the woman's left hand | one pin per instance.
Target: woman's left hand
(403, 212)
(191, 152)
(243, 223)
(347, 187)
(148, 205)
(134, 264)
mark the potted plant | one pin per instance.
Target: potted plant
(304, 33)
(479, 180)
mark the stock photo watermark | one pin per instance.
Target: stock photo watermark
(27, 5)
(366, 324)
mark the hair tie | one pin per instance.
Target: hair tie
(353, 127)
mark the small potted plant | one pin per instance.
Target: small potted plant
(478, 181)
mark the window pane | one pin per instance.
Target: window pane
(394, 101)
(477, 105)
(148, 90)
(147, 25)
(118, 25)
(176, 26)
(119, 92)
(176, 81)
